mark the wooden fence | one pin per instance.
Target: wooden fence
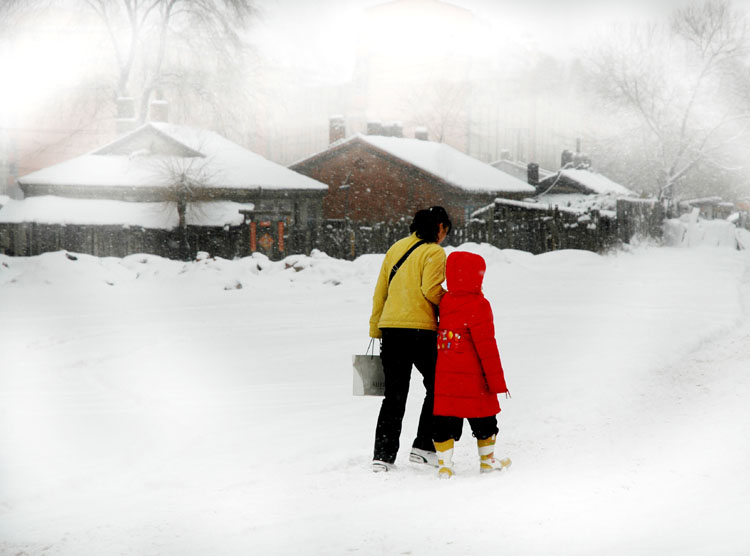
(510, 224)
(743, 220)
(641, 217)
(27, 239)
(505, 224)
(538, 229)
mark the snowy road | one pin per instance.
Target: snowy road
(149, 407)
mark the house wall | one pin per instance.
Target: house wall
(380, 188)
(296, 208)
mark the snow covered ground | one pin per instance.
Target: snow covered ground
(152, 407)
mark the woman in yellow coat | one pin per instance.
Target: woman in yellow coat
(404, 316)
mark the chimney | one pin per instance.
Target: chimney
(566, 157)
(374, 127)
(532, 173)
(125, 121)
(581, 160)
(336, 128)
(421, 134)
(159, 111)
(505, 154)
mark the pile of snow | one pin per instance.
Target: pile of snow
(86, 272)
(690, 231)
(154, 407)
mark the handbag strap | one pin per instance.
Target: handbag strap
(371, 348)
(402, 259)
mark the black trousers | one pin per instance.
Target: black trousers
(402, 348)
(446, 428)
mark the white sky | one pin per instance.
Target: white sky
(320, 37)
(51, 55)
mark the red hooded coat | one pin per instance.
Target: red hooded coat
(469, 374)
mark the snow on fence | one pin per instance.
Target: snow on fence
(691, 231)
(540, 228)
(505, 224)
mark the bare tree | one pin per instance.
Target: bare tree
(156, 43)
(441, 107)
(194, 53)
(186, 180)
(673, 79)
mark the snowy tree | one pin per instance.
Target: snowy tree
(680, 83)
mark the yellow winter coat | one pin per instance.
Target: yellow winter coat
(416, 289)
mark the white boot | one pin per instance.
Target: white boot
(444, 452)
(379, 466)
(487, 461)
(418, 455)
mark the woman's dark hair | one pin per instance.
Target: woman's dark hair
(426, 223)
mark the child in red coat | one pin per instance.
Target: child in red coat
(469, 374)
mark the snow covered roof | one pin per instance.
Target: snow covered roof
(151, 155)
(442, 161)
(49, 209)
(704, 201)
(591, 181)
(518, 168)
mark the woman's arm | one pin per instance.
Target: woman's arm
(433, 276)
(378, 301)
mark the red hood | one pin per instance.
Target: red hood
(464, 272)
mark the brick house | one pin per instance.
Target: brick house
(376, 178)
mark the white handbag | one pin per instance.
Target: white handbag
(369, 378)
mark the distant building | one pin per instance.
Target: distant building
(158, 177)
(572, 180)
(580, 189)
(709, 208)
(378, 178)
